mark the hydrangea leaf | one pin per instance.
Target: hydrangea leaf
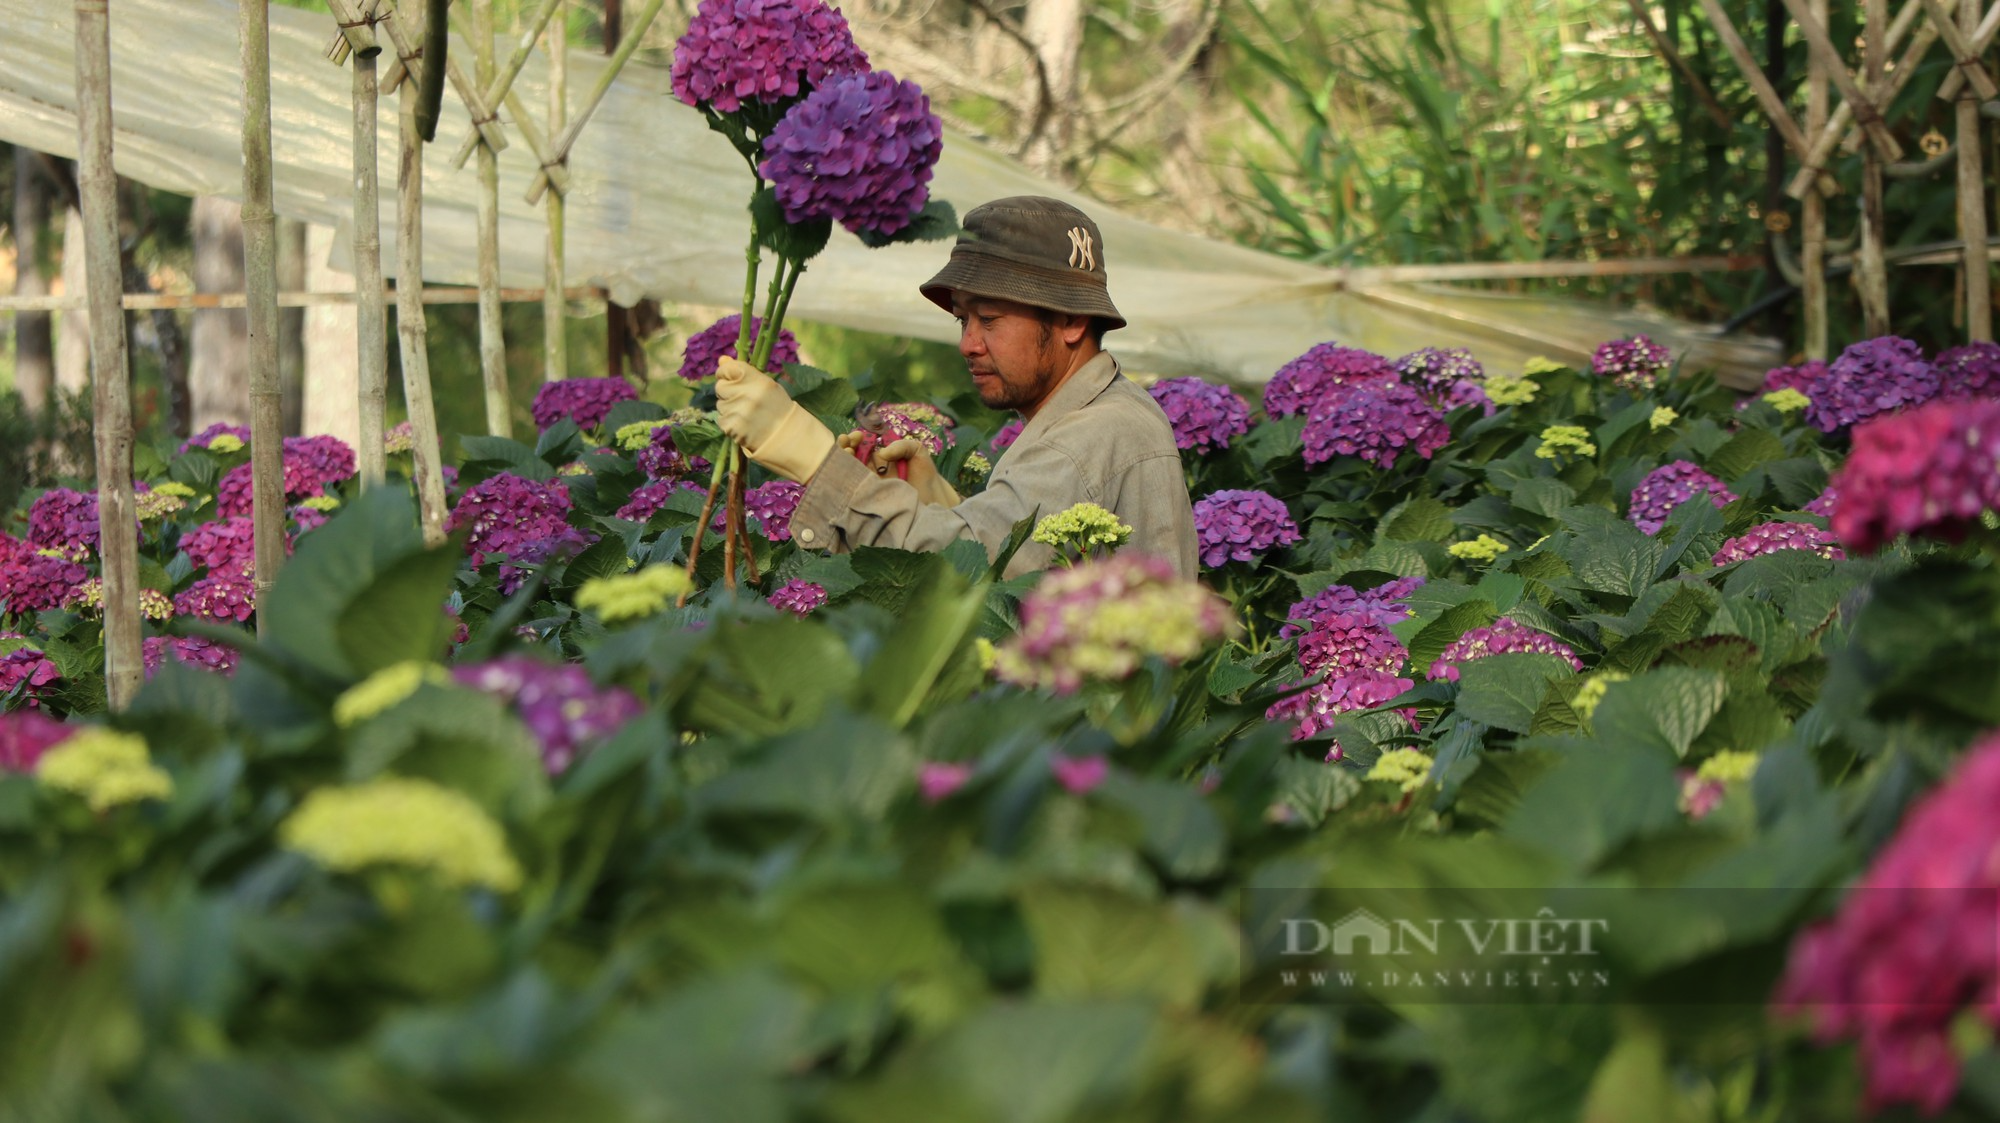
(399, 615)
(847, 768)
(1504, 691)
(1432, 638)
(1543, 495)
(936, 222)
(1594, 800)
(489, 456)
(632, 412)
(1666, 708)
(1417, 520)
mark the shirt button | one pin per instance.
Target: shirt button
(806, 534)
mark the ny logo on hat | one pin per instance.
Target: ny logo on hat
(1081, 253)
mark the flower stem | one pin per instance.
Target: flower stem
(707, 511)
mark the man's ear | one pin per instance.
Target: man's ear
(1074, 329)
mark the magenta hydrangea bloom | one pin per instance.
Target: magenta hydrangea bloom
(220, 428)
(582, 400)
(1339, 643)
(1439, 368)
(1914, 945)
(707, 346)
(1930, 470)
(1669, 486)
(773, 504)
(798, 597)
(192, 651)
(1079, 775)
(919, 420)
(27, 670)
(224, 595)
(229, 543)
(25, 735)
(766, 51)
(1008, 434)
(558, 703)
(937, 779)
(1205, 416)
(32, 582)
(1502, 637)
(1823, 504)
(1381, 605)
(313, 464)
(661, 459)
(1971, 371)
(1874, 376)
(64, 519)
(1771, 537)
(527, 520)
(1303, 382)
(1375, 420)
(858, 150)
(1635, 363)
(1315, 709)
(647, 499)
(1801, 378)
(1102, 619)
(1241, 526)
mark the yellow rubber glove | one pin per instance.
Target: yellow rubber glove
(931, 487)
(776, 431)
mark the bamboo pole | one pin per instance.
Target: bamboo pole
(555, 341)
(1871, 274)
(492, 338)
(497, 87)
(1959, 43)
(407, 52)
(1982, 38)
(1865, 110)
(111, 386)
(437, 56)
(176, 301)
(1768, 97)
(371, 320)
(410, 330)
(1666, 48)
(260, 283)
(1972, 196)
(1813, 210)
(1838, 129)
(568, 136)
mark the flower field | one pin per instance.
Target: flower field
(500, 830)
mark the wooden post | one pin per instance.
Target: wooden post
(492, 337)
(1871, 274)
(566, 139)
(410, 331)
(555, 351)
(97, 186)
(496, 92)
(260, 286)
(1972, 198)
(371, 319)
(1812, 237)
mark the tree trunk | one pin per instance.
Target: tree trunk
(1055, 27)
(332, 356)
(73, 328)
(291, 326)
(219, 375)
(34, 339)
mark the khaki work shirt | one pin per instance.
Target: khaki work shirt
(1100, 439)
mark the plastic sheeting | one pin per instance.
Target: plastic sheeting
(657, 202)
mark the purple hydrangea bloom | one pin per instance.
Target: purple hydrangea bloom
(1241, 526)
(1873, 376)
(1300, 384)
(1971, 371)
(582, 400)
(64, 519)
(225, 594)
(1338, 643)
(25, 735)
(1315, 709)
(1669, 486)
(32, 582)
(313, 464)
(710, 344)
(229, 543)
(647, 499)
(766, 51)
(661, 459)
(1008, 434)
(1635, 363)
(1801, 378)
(1503, 637)
(527, 520)
(798, 597)
(220, 428)
(773, 504)
(1464, 392)
(28, 670)
(558, 703)
(1440, 368)
(192, 651)
(1375, 420)
(858, 150)
(1823, 504)
(1381, 604)
(1205, 416)
(1771, 537)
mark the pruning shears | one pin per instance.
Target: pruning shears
(875, 433)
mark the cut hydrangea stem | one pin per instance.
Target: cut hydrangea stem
(701, 524)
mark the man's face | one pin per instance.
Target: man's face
(1013, 351)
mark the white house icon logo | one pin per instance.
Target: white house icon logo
(1082, 253)
(1362, 926)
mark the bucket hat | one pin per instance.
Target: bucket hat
(1039, 251)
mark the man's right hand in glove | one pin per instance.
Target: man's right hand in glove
(776, 431)
(924, 476)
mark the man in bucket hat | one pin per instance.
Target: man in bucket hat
(1026, 281)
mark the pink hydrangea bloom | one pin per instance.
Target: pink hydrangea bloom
(1008, 434)
(1914, 944)
(1315, 709)
(937, 779)
(224, 595)
(1381, 605)
(1929, 470)
(1635, 363)
(1503, 637)
(798, 597)
(706, 348)
(527, 520)
(647, 499)
(28, 670)
(229, 543)
(64, 519)
(32, 582)
(193, 651)
(1080, 775)
(1101, 619)
(1771, 537)
(25, 735)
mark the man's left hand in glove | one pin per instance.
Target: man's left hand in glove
(775, 431)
